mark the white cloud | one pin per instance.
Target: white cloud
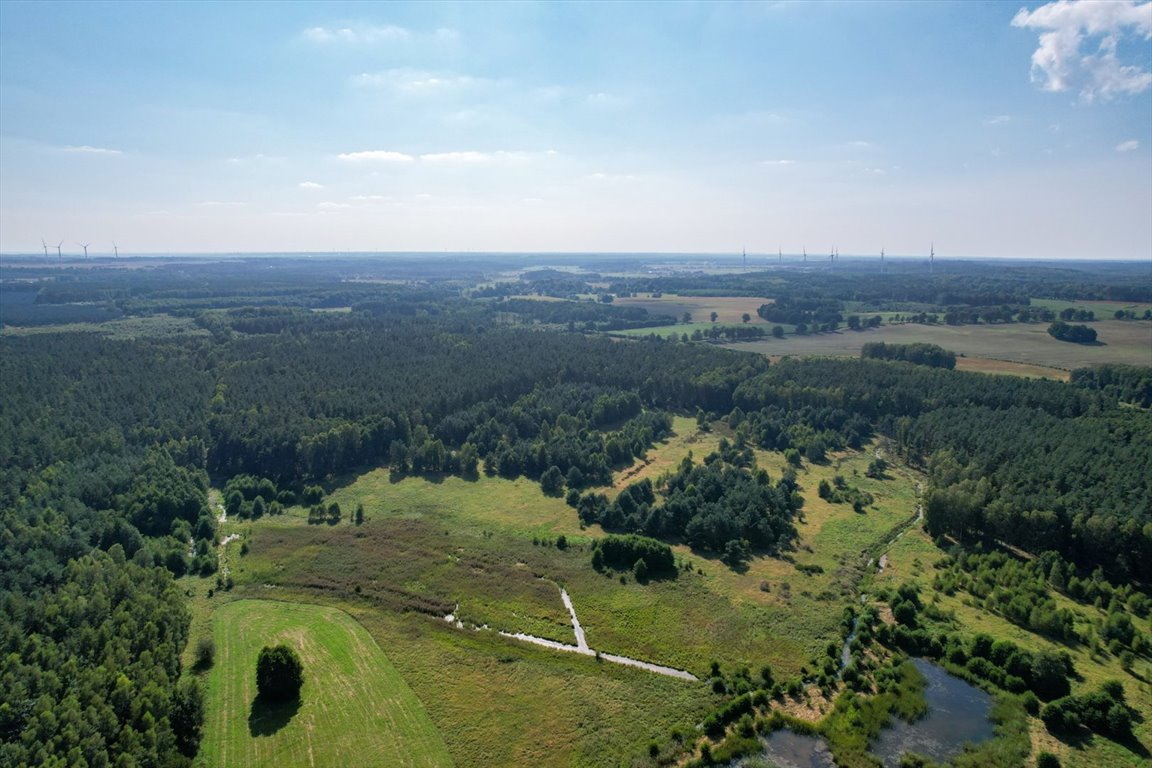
(777, 162)
(408, 80)
(221, 204)
(375, 155)
(1066, 60)
(1127, 146)
(310, 185)
(356, 34)
(369, 198)
(998, 120)
(602, 176)
(328, 205)
(88, 150)
(485, 157)
(456, 157)
(602, 100)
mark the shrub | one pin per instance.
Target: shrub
(205, 652)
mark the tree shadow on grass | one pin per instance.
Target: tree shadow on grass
(268, 716)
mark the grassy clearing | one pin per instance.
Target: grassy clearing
(354, 709)
(154, 327)
(1009, 368)
(429, 545)
(1121, 342)
(496, 701)
(911, 559)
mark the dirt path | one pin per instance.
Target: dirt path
(581, 646)
(581, 643)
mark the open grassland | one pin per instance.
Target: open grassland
(911, 558)
(487, 546)
(496, 701)
(1120, 342)
(354, 708)
(1103, 309)
(485, 551)
(728, 309)
(676, 331)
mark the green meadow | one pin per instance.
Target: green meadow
(354, 709)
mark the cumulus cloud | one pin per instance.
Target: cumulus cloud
(376, 156)
(1127, 146)
(356, 34)
(998, 120)
(776, 162)
(1079, 42)
(85, 149)
(310, 185)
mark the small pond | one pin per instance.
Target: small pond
(785, 749)
(957, 714)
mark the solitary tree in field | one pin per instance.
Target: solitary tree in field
(714, 316)
(279, 673)
(746, 317)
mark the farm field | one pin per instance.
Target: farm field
(728, 309)
(911, 558)
(1127, 342)
(354, 708)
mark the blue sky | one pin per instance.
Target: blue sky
(991, 129)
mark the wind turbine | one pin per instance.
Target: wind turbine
(115, 250)
(58, 254)
(780, 254)
(805, 254)
(932, 258)
(45, 247)
(881, 261)
(85, 247)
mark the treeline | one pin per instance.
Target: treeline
(1077, 334)
(717, 506)
(931, 355)
(293, 404)
(1038, 464)
(954, 284)
(1126, 383)
(582, 315)
(625, 553)
(1081, 487)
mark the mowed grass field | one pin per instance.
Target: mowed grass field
(1121, 341)
(911, 558)
(355, 708)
